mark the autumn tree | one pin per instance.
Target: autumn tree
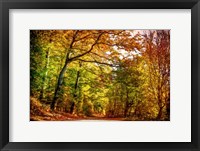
(157, 57)
(83, 43)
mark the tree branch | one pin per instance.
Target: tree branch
(83, 37)
(94, 61)
(100, 56)
(81, 55)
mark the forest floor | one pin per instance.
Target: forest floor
(62, 116)
(39, 113)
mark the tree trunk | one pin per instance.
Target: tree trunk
(75, 90)
(126, 109)
(72, 108)
(59, 83)
(127, 104)
(159, 114)
(160, 104)
(114, 110)
(45, 76)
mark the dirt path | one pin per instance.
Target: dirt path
(62, 116)
(104, 118)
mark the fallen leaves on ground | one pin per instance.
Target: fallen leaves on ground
(39, 112)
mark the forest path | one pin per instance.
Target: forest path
(39, 113)
(62, 116)
(102, 119)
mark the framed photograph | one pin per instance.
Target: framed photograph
(99, 75)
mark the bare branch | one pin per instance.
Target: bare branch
(83, 37)
(73, 39)
(94, 61)
(100, 56)
(91, 48)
